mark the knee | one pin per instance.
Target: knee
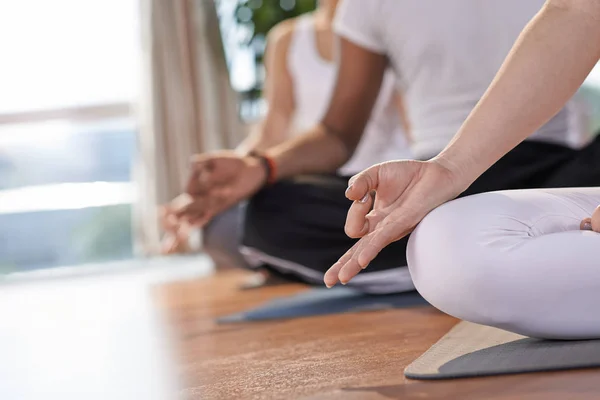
(453, 265)
(437, 260)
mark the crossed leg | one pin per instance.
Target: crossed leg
(516, 260)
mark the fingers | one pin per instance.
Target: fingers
(169, 244)
(179, 203)
(362, 254)
(183, 233)
(204, 208)
(331, 276)
(349, 270)
(196, 214)
(363, 184)
(359, 191)
(186, 204)
(376, 242)
(168, 221)
(586, 224)
(357, 224)
(163, 217)
(348, 266)
(174, 240)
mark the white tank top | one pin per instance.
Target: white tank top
(314, 80)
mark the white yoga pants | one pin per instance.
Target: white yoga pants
(515, 260)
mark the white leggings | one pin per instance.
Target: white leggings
(515, 260)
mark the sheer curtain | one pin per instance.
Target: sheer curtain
(187, 105)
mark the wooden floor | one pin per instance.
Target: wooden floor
(351, 356)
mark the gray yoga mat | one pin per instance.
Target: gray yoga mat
(471, 350)
(322, 302)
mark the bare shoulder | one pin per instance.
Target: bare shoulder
(281, 34)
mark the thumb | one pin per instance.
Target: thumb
(362, 184)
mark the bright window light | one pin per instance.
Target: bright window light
(66, 53)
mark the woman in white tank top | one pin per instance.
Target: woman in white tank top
(301, 75)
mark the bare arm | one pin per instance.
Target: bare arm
(220, 180)
(331, 143)
(549, 62)
(404, 122)
(279, 93)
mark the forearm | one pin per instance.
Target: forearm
(318, 151)
(266, 134)
(252, 142)
(547, 65)
(256, 141)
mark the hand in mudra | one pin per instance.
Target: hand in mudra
(217, 182)
(389, 200)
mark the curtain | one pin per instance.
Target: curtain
(187, 105)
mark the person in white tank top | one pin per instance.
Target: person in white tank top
(300, 80)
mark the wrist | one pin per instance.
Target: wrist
(457, 173)
(256, 169)
(266, 165)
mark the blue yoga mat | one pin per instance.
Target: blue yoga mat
(324, 302)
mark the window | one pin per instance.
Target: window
(67, 136)
(244, 27)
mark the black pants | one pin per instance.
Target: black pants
(296, 227)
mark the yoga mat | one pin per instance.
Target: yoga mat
(323, 302)
(471, 350)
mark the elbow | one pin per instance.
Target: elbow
(347, 139)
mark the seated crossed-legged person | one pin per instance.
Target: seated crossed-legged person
(301, 74)
(433, 63)
(527, 261)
